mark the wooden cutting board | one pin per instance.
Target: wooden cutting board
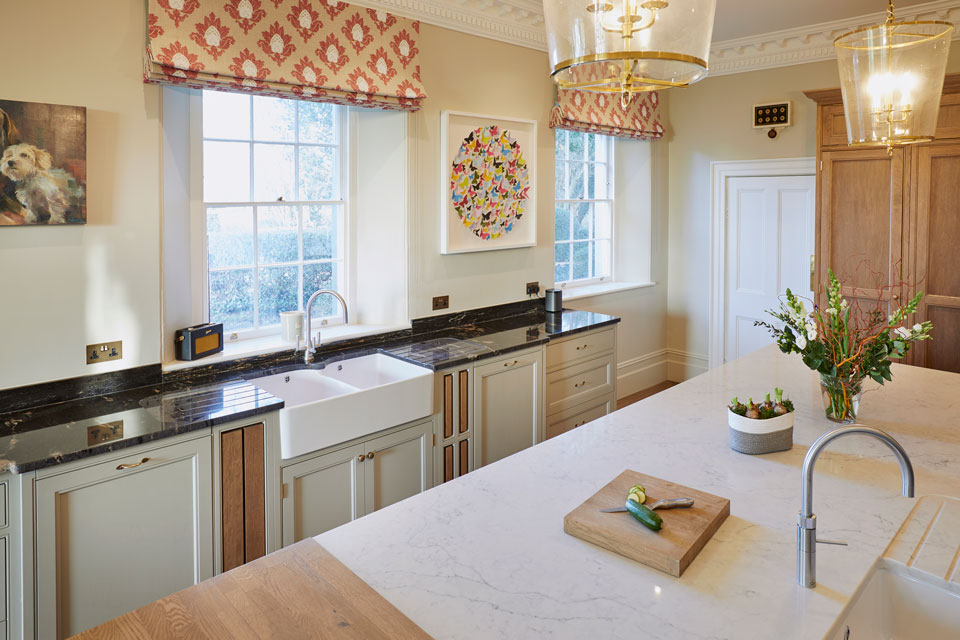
(301, 591)
(674, 547)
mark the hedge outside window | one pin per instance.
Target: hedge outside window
(274, 208)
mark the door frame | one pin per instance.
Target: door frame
(720, 171)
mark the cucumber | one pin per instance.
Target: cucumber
(645, 515)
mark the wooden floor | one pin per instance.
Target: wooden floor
(646, 393)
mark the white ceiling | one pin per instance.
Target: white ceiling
(744, 18)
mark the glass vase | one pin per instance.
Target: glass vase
(841, 397)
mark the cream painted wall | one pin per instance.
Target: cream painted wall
(64, 287)
(477, 75)
(710, 121)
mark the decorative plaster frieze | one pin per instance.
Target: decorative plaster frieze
(812, 43)
(520, 22)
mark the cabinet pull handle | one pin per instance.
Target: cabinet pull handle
(580, 384)
(510, 364)
(580, 348)
(121, 467)
(370, 455)
(360, 457)
(579, 424)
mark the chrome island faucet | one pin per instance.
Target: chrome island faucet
(807, 522)
(311, 348)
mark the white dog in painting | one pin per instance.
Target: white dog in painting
(43, 196)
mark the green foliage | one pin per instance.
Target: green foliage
(835, 342)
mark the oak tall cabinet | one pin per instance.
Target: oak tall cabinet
(883, 219)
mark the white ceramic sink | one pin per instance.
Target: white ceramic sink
(896, 603)
(346, 400)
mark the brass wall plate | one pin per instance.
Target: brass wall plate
(441, 302)
(104, 352)
(100, 433)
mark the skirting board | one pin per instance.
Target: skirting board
(641, 373)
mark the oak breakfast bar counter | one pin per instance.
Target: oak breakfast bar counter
(485, 556)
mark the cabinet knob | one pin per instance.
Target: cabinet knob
(370, 455)
(121, 467)
(582, 347)
(360, 458)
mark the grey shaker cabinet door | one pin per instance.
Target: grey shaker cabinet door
(117, 535)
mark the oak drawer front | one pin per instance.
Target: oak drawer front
(578, 383)
(4, 517)
(580, 347)
(578, 416)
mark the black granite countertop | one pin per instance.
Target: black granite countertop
(62, 432)
(470, 342)
(113, 418)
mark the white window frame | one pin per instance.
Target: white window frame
(610, 200)
(198, 237)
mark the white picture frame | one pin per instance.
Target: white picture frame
(457, 237)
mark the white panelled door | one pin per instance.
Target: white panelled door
(770, 241)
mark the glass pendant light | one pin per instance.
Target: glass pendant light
(891, 77)
(628, 46)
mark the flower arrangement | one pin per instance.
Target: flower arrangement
(846, 348)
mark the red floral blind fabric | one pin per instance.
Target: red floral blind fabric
(602, 113)
(319, 50)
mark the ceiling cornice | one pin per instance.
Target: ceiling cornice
(812, 43)
(520, 22)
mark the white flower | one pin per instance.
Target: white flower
(843, 304)
(801, 341)
(832, 312)
(903, 332)
(917, 327)
(811, 332)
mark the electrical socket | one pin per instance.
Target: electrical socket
(533, 288)
(441, 302)
(104, 352)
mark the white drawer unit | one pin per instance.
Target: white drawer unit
(580, 346)
(578, 416)
(578, 383)
(581, 382)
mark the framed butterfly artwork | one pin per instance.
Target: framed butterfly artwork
(488, 183)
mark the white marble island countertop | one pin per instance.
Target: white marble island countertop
(485, 556)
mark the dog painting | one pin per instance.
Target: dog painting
(43, 164)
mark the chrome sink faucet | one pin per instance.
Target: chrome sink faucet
(807, 521)
(311, 347)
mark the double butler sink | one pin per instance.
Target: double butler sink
(346, 400)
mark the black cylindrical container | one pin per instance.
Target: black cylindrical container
(554, 300)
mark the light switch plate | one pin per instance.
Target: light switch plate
(104, 352)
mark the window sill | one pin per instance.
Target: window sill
(602, 288)
(273, 344)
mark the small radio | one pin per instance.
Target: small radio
(198, 342)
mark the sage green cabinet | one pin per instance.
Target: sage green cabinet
(508, 405)
(118, 534)
(332, 488)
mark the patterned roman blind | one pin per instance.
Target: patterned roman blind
(602, 113)
(319, 50)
